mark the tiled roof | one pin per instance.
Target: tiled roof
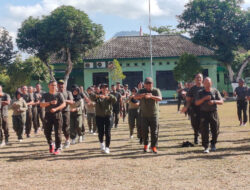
(138, 47)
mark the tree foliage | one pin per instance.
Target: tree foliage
(218, 24)
(162, 30)
(187, 67)
(6, 49)
(116, 73)
(22, 72)
(66, 31)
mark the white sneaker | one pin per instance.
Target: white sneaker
(107, 150)
(102, 145)
(206, 150)
(73, 141)
(244, 124)
(2, 144)
(131, 137)
(66, 144)
(80, 139)
(20, 140)
(94, 133)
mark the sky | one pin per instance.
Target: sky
(113, 15)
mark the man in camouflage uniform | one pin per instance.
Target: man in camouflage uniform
(19, 115)
(66, 112)
(5, 102)
(28, 97)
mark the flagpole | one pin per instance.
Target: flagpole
(150, 42)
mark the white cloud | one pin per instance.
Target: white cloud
(131, 9)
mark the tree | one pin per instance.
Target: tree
(116, 73)
(67, 32)
(6, 49)
(187, 67)
(219, 24)
(241, 59)
(22, 72)
(165, 30)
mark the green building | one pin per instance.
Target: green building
(133, 54)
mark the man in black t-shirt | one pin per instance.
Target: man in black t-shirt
(241, 93)
(117, 107)
(208, 99)
(53, 102)
(193, 109)
(29, 99)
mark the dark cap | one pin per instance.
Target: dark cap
(148, 80)
(61, 81)
(103, 85)
(126, 85)
(135, 89)
(241, 80)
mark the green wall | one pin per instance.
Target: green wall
(207, 63)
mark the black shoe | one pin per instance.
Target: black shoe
(140, 141)
(28, 135)
(196, 140)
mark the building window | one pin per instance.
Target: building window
(132, 78)
(168, 63)
(121, 64)
(165, 80)
(128, 64)
(226, 78)
(153, 63)
(205, 73)
(160, 63)
(143, 64)
(218, 77)
(136, 64)
(175, 62)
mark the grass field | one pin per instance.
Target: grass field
(28, 165)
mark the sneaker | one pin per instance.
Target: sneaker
(107, 150)
(131, 137)
(6, 141)
(154, 149)
(28, 135)
(2, 144)
(102, 145)
(51, 148)
(57, 151)
(73, 141)
(196, 140)
(140, 141)
(66, 144)
(145, 149)
(80, 139)
(244, 124)
(94, 133)
(206, 150)
(20, 140)
(213, 147)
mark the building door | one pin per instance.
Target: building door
(165, 80)
(132, 78)
(99, 78)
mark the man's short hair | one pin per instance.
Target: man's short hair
(52, 81)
